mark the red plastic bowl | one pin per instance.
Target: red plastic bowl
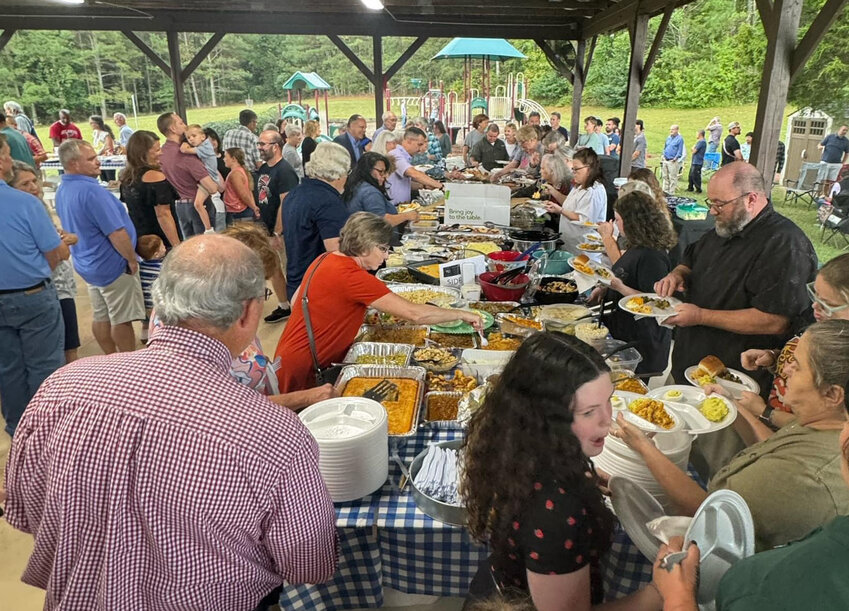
(505, 260)
(506, 292)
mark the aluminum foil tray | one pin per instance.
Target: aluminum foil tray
(378, 349)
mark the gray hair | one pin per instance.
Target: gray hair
(560, 173)
(387, 114)
(362, 232)
(828, 352)
(119, 114)
(18, 168)
(329, 161)
(292, 130)
(13, 107)
(71, 150)
(493, 127)
(382, 139)
(269, 127)
(208, 279)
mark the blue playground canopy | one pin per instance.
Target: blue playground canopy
(307, 80)
(480, 48)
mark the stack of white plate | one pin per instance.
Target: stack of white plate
(618, 459)
(353, 442)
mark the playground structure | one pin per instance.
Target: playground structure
(504, 103)
(299, 113)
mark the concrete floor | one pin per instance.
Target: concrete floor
(16, 547)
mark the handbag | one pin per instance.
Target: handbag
(326, 375)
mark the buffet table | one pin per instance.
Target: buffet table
(115, 162)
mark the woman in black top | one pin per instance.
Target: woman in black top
(649, 235)
(312, 129)
(146, 192)
(219, 154)
(529, 486)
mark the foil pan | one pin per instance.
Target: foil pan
(367, 331)
(388, 371)
(452, 296)
(440, 424)
(378, 349)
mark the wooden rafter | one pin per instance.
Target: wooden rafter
(152, 55)
(405, 56)
(201, 55)
(6, 36)
(655, 45)
(821, 24)
(347, 52)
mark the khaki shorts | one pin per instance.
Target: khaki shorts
(120, 302)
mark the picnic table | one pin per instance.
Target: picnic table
(107, 162)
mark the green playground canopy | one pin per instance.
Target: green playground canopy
(480, 48)
(307, 80)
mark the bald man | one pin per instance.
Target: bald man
(743, 283)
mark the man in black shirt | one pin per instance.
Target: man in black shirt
(731, 147)
(743, 282)
(489, 150)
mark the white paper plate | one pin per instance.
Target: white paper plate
(635, 508)
(620, 402)
(734, 388)
(586, 224)
(656, 312)
(595, 266)
(687, 406)
(590, 250)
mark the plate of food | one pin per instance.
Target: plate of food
(647, 414)
(711, 370)
(649, 304)
(592, 237)
(589, 246)
(701, 413)
(587, 224)
(591, 269)
(408, 206)
(459, 326)
(424, 167)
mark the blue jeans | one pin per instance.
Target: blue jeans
(32, 336)
(246, 215)
(712, 147)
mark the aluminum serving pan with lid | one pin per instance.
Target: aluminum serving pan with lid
(388, 371)
(379, 350)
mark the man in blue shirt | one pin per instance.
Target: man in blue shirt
(694, 181)
(352, 138)
(673, 157)
(31, 328)
(18, 147)
(612, 130)
(125, 130)
(834, 149)
(105, 254)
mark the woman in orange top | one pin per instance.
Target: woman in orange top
(238, 188)
(339, 292)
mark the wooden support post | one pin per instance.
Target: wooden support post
(377, 54)
(578, 80)
(639, 35)
(176, 73)
(781, 32)
(6, 36)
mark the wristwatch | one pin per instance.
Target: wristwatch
(766, 415)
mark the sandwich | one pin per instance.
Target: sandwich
(711, 369)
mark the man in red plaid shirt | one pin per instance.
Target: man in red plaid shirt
(154, 480)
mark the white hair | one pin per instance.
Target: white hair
(206, 283)
(70, 150)
(329, 161)
(119, 114)
(387, 114)
(292, 130)
(13, 108)
(383, 137)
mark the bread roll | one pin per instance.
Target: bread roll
(712, 366)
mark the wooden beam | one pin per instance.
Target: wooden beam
(781, 36)
(820, 25)
(639, 36)
(577, 92)
(377, 54)
(5, 37)
(556, 61)
(590, 56)
(176, 73)
(352, 57)
(765, 10)
(152, 55)
(201, 55)
(405, 57)
(621, 15)
(655, 45)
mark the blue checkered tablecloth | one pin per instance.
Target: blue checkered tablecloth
(386, 541)
(105, 164)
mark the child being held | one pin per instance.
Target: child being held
(151, 250)
(198, 144)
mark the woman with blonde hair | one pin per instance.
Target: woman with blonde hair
(386, 141)
(238, 188)
(312, 130)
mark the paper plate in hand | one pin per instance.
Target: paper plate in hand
(635, 508)
(423, 167)
(688, 402)
(649, 304)
(460, 327)
(599, 273)
(586, 224)
(621, 401)
(746, 383)
(591, 247)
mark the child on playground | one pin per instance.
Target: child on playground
(151, 249)
(198, 144)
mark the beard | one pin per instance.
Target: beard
(735, 225)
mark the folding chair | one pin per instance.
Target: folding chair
(711, 165)
(804, 188)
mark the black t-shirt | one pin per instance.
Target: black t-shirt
(222, 167)
(142, 198)
(728, 147)
(766, 266)
(270, 183)
(553, 536)
(640, 268)
(307, 147)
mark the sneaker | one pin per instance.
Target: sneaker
(278, 315)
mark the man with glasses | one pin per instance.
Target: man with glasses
(743, 283)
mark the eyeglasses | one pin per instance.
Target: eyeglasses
(384, 248)
(382, 172)
(580, 167)
(718, 204)
(261, 143)
(829, 310)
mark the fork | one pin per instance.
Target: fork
(381, 391)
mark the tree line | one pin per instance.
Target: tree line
(711, 55)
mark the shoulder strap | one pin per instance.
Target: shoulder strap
(305, 307)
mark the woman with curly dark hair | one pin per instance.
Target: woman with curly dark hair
(528, 483)
(649, 235)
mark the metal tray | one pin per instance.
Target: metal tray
(476, 305)
(388, 371)
(382, 273)
(435, 393)
(442, 512)
(453, 296)
(378, 349)
(365, 330)
(511, 328)
(422, 277)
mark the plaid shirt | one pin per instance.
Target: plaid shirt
(154, 480)
(245, 139)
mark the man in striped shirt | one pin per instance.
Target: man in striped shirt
(154, 480)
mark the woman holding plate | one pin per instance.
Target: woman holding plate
(790, 479)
